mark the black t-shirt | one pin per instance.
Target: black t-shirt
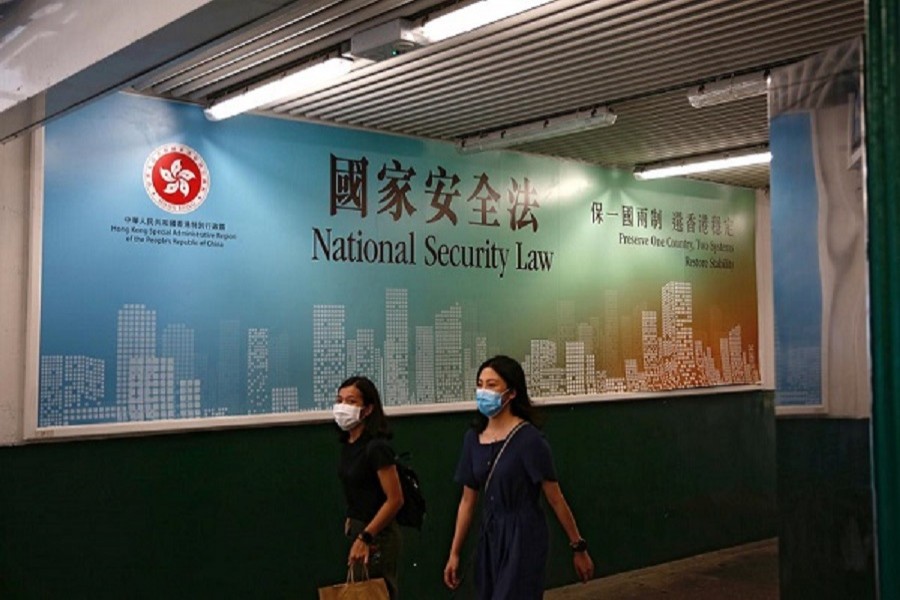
(358, 472)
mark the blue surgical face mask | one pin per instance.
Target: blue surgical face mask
(489, 402)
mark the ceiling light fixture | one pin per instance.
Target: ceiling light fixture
(308, 79)
(378, 43)
(729, 90)
(475, 15)
(701, 164)
(539, 130)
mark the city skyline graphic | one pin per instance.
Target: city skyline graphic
(163, 374)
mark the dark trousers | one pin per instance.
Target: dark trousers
(384, 554)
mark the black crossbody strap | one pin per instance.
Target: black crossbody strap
(499, 454)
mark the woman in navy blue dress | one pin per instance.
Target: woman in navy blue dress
(512, 550)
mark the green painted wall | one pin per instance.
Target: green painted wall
(826, 532)
(256, 513)
(883, 190)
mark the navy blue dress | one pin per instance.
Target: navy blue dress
(512, 549)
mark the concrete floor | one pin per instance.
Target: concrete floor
(748, 572)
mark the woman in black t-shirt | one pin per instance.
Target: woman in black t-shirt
(368, 474)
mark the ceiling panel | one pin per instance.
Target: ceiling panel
(637, 57)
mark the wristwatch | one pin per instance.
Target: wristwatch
(578, 545)
(366, 537)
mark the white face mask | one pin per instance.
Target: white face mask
(347, 416)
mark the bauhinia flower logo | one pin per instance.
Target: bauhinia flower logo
(176, 178)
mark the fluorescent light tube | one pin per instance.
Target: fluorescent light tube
(306, 80)
(473, 16)
(539, 130)
(729, 90)
(701, 165)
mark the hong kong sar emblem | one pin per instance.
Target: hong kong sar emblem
(176, 178)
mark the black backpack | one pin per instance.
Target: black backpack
(412, 514)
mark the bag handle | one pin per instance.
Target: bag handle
(351, 573)
(499, 454)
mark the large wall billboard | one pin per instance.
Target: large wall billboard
(196, 270)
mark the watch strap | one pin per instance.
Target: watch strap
(366, 537)
(579, 545)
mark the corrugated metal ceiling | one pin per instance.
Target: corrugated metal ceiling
(638, 57)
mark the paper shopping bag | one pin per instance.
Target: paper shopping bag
(366, 589)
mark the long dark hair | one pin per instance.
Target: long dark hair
(376, 423)
(512, 373)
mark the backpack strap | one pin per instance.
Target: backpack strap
(502, 448)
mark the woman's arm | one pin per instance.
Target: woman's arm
(584, 566)
(390, 484)
(464, 514)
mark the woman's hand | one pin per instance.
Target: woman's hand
(467, 502)
(359, 553)
(451, 572)
(584, 566)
